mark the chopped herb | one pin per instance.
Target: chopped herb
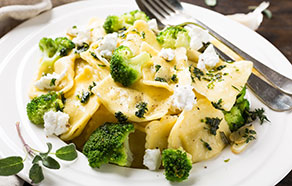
(63, 97)
(142, 109)
(259, 113)
(213, 124)
(206, 145)
(174, 78)
(93, 55)
(84, 97)
(196, 73)
(121, 117)
(160, 79)
(157, 67)
(220, 67)
(143, 35)
(249, 135)
(90, 87)
(227, 160)
(101, 65)
(218, 105)
(82, 48)
(235, 88)
(136, 31)
(74, 26)
(53, 82)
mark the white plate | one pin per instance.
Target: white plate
(265, 162)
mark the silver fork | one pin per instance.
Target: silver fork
(269, 95)
(170, 12)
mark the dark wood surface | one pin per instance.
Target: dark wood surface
(277, 30)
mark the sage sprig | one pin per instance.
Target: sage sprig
(14, 164)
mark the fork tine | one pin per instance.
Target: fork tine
(170, 6)
(164, 7)
(158, 8)
(153, 11)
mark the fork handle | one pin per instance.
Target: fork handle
(277, 79)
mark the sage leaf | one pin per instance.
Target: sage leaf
(67, 153)
(36, 173)
(49, 150)
(211, 3)
(50, 163)
(11, 165)
(36, 159)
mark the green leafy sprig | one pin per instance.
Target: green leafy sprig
(14, 164)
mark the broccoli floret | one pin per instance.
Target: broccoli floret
(125, 68)
(115, 23)
(109, 144)
(177, 164)
(38, 106)
(53, 50)
(240, 113)
(174, 37)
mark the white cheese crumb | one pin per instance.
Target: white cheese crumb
(209, 58)
(153, 24)
(55, 123)
(253, 19)
(152, 159)
(83, 36)
(72, 31)
(198, 36)
(108, 45)
(183, 97)
(45, 82)
(167, 54)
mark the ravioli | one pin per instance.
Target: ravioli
(80, 113)
(124, 99)
(190, 133)
(157, 132)
(61, 65)
(226, 86)
(101, 116)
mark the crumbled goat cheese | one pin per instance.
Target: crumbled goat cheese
(253, 19)
(83, 36)
(55, 123)
(183, 97)
(167, 54)
(152, 159)
(50, 81)
(209, 58)
(108, 45)
(198, 36)
(153, 24)
(72, 31)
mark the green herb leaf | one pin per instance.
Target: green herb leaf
(142, 109)
(36, 159)
(227, 160)
(157, 67)
(50, 163)
(36, 173)
(160, 79)
(206, 145)
(53, 82)
(211, 3)
(43, 155)
(10, 165)
(67, 152)
(121, 117)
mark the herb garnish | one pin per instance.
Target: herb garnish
(14, 164)
(143, 35)
(174, 78)
(121, 117)
(142, 109)
(218, 104)
(157, 67)
(82, 48)
(196, 73)
(84, 97)
(93, 55)
(160, 79)
(53, 82)
(206, 145)
(249, 135)
(213, 124)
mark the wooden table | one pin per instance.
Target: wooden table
(277, 30)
